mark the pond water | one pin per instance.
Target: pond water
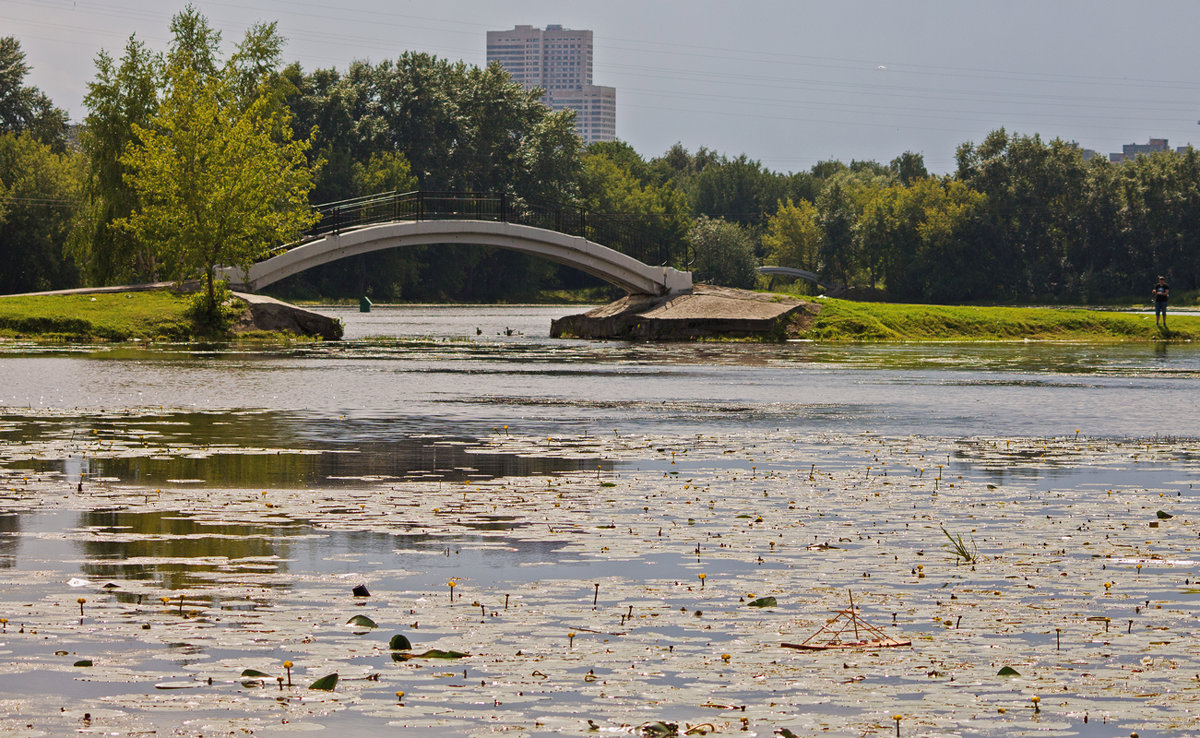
(606, 511)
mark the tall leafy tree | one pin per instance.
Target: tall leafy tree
(218, 181)
(922, 239)
(657, 216)
(724, 253)
(794, 236)
(739, 189)
(39, 187)
(123, 94)
(26, 109)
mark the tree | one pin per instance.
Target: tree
(216, 183)
(39, 188)
(122, 95)
(908, 167)
(923, 240)
(659, 214)
(738, 189)
(26, 109)
(844, 195)
(388, 171)
(724, 253)
(794, 236)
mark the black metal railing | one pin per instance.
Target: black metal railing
(645, 237)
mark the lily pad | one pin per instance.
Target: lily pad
(1164, 515)
(1008, 671)
(83, 662)
(256, 674)
(325, 683)
(400, 642)
(361, 621)
(763, 602)
(433, 653)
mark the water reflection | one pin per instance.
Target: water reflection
(178, 551)
(261, 449)
(215, 560)
(10, 541)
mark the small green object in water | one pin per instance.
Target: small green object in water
(83, 662)
(763, 602)
(325, 683)
(1008, 671)
(399, 642)
(364, 305)
(437, 653)
(255, 674)
(1162, 515)
(434, 653)
(361, 621)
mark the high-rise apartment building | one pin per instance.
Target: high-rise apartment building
(558, 60)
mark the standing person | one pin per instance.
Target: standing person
(1161, 292)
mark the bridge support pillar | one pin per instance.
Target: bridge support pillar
(676, 282)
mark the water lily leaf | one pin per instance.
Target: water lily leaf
(256, 674)
(177, 685)
(763, 602)
(1163, 515)
(608, 484)
(361, 621)
(399, 642)
(83, 662)
(659, 729)
(433, 653)
(436, 653)
(1008, 671)
(326, 683)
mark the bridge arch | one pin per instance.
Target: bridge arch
(833, 289)
(599, 261)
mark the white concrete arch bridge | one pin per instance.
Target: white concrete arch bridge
(568, 236)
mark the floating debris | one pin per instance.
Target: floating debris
(865, 634)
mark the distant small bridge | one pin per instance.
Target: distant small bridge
(565, 235)
(833, 289)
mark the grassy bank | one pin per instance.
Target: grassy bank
(159, 315)
(843, 320)
(120, 316)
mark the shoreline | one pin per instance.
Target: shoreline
(154, 313)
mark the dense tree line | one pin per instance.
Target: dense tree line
(1019, 219)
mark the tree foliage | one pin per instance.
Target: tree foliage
(38, 192)
(794, 237)
(123, 95)
(26, 109)
(217, 175)
(724, 253)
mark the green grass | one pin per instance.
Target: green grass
(843, 320)
(157, 315)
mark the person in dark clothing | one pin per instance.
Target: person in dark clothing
(1161, 292)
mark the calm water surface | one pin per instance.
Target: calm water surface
(177, 441)
(425, 369)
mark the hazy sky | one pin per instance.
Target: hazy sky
(787, 82)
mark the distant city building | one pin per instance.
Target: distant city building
(558, 60)
(1132, 151)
